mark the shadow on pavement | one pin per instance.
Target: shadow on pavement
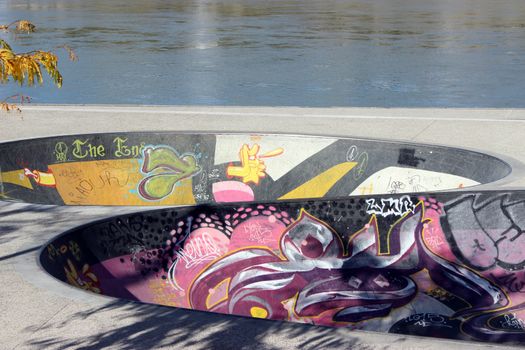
(157, 326)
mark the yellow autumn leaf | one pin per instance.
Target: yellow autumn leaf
(27, 67)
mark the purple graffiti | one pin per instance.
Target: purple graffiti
(316, 279)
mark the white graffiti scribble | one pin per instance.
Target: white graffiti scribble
(199, 250)
(257, 232)
(435, 242)
(390, 206)
(511, 321)
(136, 250)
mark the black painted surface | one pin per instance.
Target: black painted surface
(371, 155)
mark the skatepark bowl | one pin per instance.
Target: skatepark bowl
(367, 234)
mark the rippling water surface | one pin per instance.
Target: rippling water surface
(384, 53)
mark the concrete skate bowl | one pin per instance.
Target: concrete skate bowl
(154, 168)
(445, 265)
(305, 229)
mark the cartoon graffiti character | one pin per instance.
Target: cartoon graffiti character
(167, 169)
(252, 166)
(46, 179)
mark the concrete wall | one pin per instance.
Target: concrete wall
(154, 168)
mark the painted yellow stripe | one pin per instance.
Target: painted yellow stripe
(16, 177)
(322, 183)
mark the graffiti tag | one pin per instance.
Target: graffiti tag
(510, 281)
(124, 150)
(257, 232)
(428, 319)
(390, 206)
(513, 322)
(82, 149)
(61, 152)
(199, 250)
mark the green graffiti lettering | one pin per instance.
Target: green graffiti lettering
(78, 150)
(98, 151)
(83, 149)
(122, 150)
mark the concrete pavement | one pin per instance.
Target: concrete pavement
(38, 311)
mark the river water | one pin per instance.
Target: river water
(382, 53)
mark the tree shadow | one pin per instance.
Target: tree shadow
(25, 227)
(155, 326)
(138, 325)
(30, 224)
(20, 252)
(13, 208)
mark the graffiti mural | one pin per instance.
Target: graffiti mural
(444, 264)
(155, 168)
(164, 168)
(252, 166)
